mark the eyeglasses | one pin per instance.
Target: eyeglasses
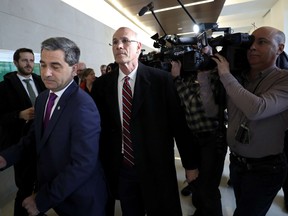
(124, 41)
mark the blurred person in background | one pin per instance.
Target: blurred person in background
(88, 79)
(79, 73)
(103, 69)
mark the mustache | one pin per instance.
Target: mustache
(47, 78)
(121, 53)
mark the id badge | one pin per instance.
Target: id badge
(242, 134)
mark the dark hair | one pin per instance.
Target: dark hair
(16, 55)
(70, 49)
(112, 66)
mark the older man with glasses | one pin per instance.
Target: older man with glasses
(140, 117)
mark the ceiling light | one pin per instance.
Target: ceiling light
(196, 28)
(177, 7)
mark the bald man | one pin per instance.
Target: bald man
(257, 119)
(143, 175)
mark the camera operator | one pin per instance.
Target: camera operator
(211, 152)
(257, 119)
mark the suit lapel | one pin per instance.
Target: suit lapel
(112, 96)
(141, 86)
(59, 108)
(38, 83)
(20, 88)
(39, 110)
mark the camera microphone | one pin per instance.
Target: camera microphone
(145, 9)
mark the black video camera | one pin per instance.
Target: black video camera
(232, 46)
(188, 50)
(234, 49)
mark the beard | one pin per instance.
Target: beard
(27, 70)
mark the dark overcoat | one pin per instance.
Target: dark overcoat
(157, 119)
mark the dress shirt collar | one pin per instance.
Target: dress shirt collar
(132, 75)
(23, 78)
(59, 93)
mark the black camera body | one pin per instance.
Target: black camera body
(234, 49)
(190, 58)
(188, 50)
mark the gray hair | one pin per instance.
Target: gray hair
(70, 49)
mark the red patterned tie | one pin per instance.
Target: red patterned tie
(127, 105)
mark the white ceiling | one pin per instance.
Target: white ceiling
(243, 15)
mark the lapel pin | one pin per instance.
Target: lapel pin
(58, 107)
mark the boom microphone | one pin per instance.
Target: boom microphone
(145, 9)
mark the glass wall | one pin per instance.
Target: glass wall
(7, 65)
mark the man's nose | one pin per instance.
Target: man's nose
(46, 71)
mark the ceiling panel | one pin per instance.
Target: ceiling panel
(175, 21)
(240, 15)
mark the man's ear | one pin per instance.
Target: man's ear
(15, 63)
(74, 69)
(139, 47)
(280, 49)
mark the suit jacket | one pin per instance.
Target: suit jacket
(70, 175)
(76, 79)
(156, 119)
(14, 99)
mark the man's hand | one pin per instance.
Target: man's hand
(30, 205)
(27, 114)
(222, 64)
(176, 68)
(191, 175)
(3, 162)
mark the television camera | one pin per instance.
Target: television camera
(189, 50)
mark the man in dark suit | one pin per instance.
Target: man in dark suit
(79, 73)
(145, 180)
(16, 116)
(70, 176)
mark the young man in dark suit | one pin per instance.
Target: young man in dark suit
(143, 177)
(16, 116)
(65, 133)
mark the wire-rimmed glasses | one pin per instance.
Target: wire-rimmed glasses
(124, 41)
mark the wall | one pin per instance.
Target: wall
(278, 18)
(28, 23)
